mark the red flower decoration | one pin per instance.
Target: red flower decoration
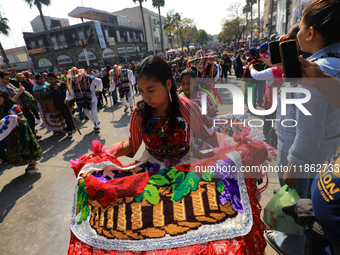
(110, 196)
(153, 140)
(90, 190)
(176, 137)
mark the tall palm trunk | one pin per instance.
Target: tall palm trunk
(251, 22)
(271, 17)
(287, 15)
(3, 53)
(160, 20)
(54, 63)
(146, 40)
(258, 20)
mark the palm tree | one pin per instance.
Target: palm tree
(158, 4)
(271, 17)
(4, 29)
(141, 10)
(258, 20)
(38, 4)
(251, 2)
(287, 15)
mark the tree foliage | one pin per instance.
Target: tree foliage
(201, 37)
(158, 4)
(4, 29)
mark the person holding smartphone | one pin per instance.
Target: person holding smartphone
(316, 136)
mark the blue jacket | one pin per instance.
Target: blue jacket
(324, 122)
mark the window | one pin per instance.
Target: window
(106, 35)
(62, 41)
(81, 35)
(33, 45)
(41, 43)
(54, 42)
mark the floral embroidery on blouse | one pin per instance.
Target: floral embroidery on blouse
(161, 141)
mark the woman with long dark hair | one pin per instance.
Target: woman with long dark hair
(170, 204)
(21, 145)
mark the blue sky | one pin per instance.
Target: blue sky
(207, 15)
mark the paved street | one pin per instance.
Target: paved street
(35, 211)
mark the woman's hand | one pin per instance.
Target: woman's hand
(310, 69)
(21, 119)
(21, 90)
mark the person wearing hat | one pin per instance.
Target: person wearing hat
(57, 92)
(20, 78)
(226, 65)
(263, 48)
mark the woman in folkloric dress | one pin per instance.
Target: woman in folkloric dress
(52, 118)
(163, 203)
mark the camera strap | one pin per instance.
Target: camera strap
(328, 55)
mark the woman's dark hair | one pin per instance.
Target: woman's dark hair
(292, 32)
(187, 72)
(324, 17)
(157, 69)
(38, 76)
(53, 75)
(8, 103)
(3, 73)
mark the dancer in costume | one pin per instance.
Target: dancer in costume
(168, 207)
(57, 92)
(124, 80)
(96, 86)
(21, 145)
(80, 89)
(52, 119)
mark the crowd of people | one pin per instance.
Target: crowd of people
(161, 203)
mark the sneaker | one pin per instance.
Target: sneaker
(131, 110)
(38, 137)
(96, 128)
(269, 236)
(126, 108)
(37, 122)
(69, 134)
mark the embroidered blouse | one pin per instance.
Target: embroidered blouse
(190, 113)
(163, 143)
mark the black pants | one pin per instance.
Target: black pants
(30, 119)
(67, 116)
(239, 71)
(225, 70)
(3, 154)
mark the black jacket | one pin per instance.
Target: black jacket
(58, 95)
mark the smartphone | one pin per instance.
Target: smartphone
(274, 52)
(257, 53)
(289, 59)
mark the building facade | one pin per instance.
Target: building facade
(17, 59)
(269, 18)
(104, 38)
(152, 26)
